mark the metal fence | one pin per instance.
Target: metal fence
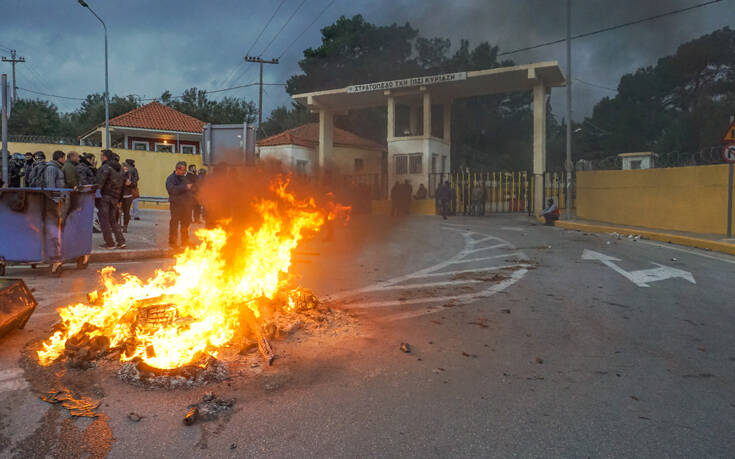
(480, 193)
(704, 156)
(373, 186)
(43, 139)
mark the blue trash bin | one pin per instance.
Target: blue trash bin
(50, 225)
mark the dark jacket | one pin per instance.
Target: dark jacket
(86, 173)
(443, 193)
(110, 180)
(178, 192)
(53, 175)
(71, 175)
(129, 189)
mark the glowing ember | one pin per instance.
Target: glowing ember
(212, 296)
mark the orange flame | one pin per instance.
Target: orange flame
(217, 288)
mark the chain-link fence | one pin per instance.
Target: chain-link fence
(43, 139)
(705, 156)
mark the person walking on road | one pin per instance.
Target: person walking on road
(443, 196)
(71, 174)
(53, 174)
(110, 180)
(179, 198)
(478, 200)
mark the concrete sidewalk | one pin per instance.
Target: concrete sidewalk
(146, 238)
(712, 242)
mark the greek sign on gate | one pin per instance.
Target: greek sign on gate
(407, 82)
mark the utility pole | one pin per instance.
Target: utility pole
(568, 162)
(260, 61)
(4, 90)
(13, 61)
(107, 86)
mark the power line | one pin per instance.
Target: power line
(594, 85)
(40, 93)
(50, 95)
(247, 53)
(306, 28)
(230, 79)
(281, 29)
(607, 29)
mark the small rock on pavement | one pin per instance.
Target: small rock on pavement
(405, 347)
(505, 311)
(233, 446)
(539, 360)
(135, 417)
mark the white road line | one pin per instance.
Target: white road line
(470, 246)
(418, 286)
(475, 270)
(691, 251)
(503, 255)
(490, 247)
(515, 277)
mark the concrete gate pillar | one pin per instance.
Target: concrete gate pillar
(391, 117)
(447, 118)
(326, 139)
(539, 146)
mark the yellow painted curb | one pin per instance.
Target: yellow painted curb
(699, 243)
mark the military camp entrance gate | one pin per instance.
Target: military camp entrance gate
(480, 193)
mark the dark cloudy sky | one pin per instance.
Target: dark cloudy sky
(177, 44)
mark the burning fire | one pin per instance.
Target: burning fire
(212, 296)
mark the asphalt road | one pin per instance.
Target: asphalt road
(525, 341)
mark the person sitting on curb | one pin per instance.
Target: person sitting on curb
(551, 213)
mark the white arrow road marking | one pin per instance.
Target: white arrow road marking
(642, 277)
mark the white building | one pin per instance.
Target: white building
(298, 149)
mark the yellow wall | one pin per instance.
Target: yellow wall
(691, 199)
(418, 207)
(153, 167)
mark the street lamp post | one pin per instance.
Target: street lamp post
(107, 89)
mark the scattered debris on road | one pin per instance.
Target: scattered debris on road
(80, 406)
(208, 409)
(135, 417)
(539, 360)
(405, 347)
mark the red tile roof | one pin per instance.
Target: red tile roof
(160, 117)
(308, 136)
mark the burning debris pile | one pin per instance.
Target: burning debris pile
(226, 292)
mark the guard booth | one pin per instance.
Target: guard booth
(419, 118)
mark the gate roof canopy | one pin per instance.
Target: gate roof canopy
(465, 84)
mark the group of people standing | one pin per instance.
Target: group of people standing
(183, 186)
(401, 195)
(117, 189)
(117, 184)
